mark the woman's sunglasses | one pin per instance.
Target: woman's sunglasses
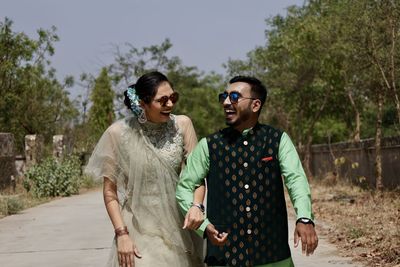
(233, 97)
(174, 97)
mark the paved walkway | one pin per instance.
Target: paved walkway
(76, 231)
(73, 231)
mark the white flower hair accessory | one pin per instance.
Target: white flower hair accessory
(135, 106)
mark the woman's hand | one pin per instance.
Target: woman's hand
(127, 251)
(193, 219)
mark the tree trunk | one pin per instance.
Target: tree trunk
(307, 158)
(397, 102)
(357, 131)
(393, 67)
(378, 137)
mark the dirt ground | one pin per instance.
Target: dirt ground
(363, 224)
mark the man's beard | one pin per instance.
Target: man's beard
(244, 117)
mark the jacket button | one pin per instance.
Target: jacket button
(247, 208)
(246, 186)
(245, 143)
(248, 231)
(245, 164)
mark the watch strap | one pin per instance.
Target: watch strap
(305, 221)
(200, 206)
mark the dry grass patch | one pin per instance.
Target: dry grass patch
(363, 224)
(15, 200)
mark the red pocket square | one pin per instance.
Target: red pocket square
(266, 159)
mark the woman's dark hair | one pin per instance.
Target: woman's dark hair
(146, 87)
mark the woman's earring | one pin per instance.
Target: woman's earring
(142, 116)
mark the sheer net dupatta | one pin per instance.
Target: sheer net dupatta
(146, 183)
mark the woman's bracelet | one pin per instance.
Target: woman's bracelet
(121, 231)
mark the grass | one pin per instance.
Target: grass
(363, 224)
(15, 201)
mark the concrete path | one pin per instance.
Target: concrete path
(326, 255)
(76, 231)
(73, 231)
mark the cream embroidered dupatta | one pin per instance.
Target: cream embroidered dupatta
(146, 174)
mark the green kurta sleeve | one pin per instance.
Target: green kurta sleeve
(198, 164)
(192, 176)
(295, 179)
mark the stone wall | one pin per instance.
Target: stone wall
(34, 145)
(7, 160)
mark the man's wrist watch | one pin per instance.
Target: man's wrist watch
(305, 221)
(200, 206)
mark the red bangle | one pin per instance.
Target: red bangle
(121, 231)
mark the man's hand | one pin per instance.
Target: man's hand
(216, 238)
(309, 240)
(194, 218)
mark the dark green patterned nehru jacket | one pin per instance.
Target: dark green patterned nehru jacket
(245, 197)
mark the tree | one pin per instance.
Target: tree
(32, 100)
(101, 113)
(201, 104)
(323, 58)
(375, 35)
(198, 92)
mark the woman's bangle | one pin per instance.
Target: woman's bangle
(121, 231)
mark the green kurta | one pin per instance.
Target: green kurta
(198, 164)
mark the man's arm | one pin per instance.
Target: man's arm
(295, 179)
(191, 177)
(299, 191)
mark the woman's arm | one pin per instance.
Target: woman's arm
(126, 247)
(112, 204)
(199, 195)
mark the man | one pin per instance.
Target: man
(246, 222)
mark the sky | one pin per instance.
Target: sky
(204, 33)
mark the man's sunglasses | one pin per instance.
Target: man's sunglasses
(233, 97)
(174, 97)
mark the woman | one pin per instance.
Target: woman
(139, 159)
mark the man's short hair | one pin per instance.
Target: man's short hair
(258, 89)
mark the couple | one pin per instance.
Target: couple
(140, 158)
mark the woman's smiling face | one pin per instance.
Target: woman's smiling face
(155, 111)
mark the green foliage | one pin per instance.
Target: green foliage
(131, 63)
(199, 99)
(51, 178)
(14, 205)
(330, 131)
(201, 105)
(198, 92)
(87, 182)
(32, 100)
(325, 64)
(101, 113)
(10, 205)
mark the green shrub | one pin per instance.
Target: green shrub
(87, 182)
(14, 205)
(10, 205)
(51, 178)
